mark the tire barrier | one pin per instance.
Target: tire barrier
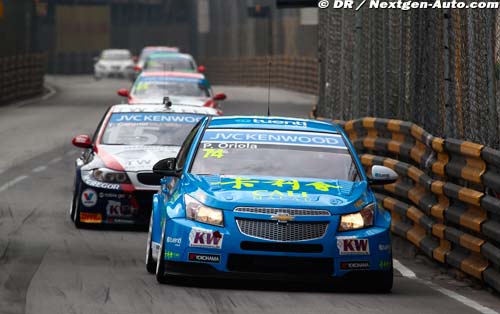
(72, 63)
(447, 200)
(294, 73)
(21, 77)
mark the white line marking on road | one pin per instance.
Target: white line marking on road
(51, 92)
(11, 183)
(40, 169)
(460, 298)
(405, 271)
(55, 160)
(408, 273)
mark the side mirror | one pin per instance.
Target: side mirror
(166, 167)
(123, 92)
(382, 175)
(201, 69)
(82, 141)
(220, 96)
(137, 68)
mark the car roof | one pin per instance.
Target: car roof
(169, 55)
(272, 123)
(116, 50)
(173, 74)
(162, 48)
(125, 108)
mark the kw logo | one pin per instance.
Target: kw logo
(205, 238)
(349, 246)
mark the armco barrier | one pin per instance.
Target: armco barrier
(21, 77)
(294, 73)
(447, 200)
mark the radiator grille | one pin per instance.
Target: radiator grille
(289, 232)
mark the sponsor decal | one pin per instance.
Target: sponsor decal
(90, 218)
(355, 265)
(205, 238)
(204, 258)
(384, 264)
(171, 255)
(175, 241)
(275, 138)
(116, 209)
(384, 247)
(102, 185)
(113, 195)
(273, 121)
(89, 198)
(352, 246)
(154, 117)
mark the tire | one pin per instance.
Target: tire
(386, 281)
(160, 261)
(382, 282)
(150, 262)
(75, 208)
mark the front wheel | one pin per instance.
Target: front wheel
(160, 260)
(150, 262)
(75, 208)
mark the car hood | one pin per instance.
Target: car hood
(228, 192)
(134, 157)
(176, 100)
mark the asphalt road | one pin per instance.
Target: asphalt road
(49, 266)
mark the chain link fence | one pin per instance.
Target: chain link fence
(436, 68)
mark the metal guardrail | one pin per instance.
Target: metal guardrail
(21, 77)
(295, 73)
(447, 200)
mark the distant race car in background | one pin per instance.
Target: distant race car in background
(147, 51)
(173, 62)
(114, 63)
(114, 182)
(190, 89)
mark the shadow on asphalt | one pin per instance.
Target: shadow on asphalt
(334, 286)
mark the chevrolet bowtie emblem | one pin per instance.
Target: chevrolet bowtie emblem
(282, 217)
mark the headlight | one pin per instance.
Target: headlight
(110, 176)
(199, 212)
(361, 219)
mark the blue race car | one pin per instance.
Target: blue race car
(269, 197)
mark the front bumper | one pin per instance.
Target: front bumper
(189, 251)
(114, 72)
(115, 204)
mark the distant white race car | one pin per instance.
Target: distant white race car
(114, 63)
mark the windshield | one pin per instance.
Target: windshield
(116, 55)
(274, 153)
(149, 51)
(152, 87)
(148, 128)
(169, 64)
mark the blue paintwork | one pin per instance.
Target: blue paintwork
(221, 192)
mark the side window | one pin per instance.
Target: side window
(186, 146)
